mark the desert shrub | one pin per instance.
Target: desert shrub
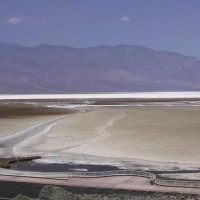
(56, 193)
(22, 197)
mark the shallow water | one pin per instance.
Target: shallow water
(60, 167)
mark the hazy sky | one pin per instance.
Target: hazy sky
(159, 24)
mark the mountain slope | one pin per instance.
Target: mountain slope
(62, 69)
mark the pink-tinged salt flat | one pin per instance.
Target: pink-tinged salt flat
(119, 182)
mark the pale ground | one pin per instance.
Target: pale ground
(8, 126)
(161, 134)
(123, 95)
(125, 136)
(192, 176)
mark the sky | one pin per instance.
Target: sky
(172, 25)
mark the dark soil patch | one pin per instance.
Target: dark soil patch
(25, 110)
(8, 162)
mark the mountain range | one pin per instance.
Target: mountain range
(121, 68)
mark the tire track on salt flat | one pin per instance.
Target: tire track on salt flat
(9, 144)
(102, 134)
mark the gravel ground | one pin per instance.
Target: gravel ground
(57, 193)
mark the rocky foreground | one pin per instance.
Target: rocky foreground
(57, 193)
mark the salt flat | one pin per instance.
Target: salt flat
(10, 126)
(150, 134)
(15, 117)
(122, 135)
(126, 95)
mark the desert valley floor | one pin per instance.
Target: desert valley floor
(127, 136)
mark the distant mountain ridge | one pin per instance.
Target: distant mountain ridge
(121, 68)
